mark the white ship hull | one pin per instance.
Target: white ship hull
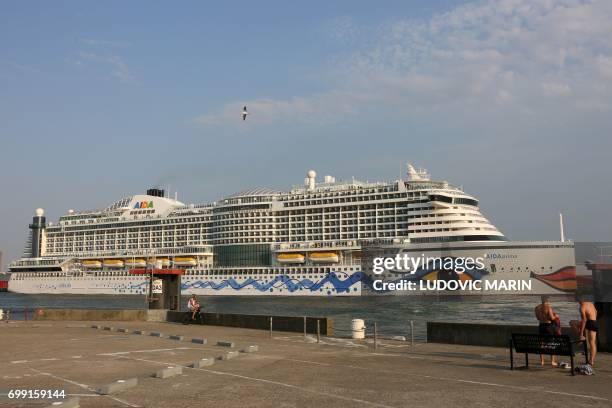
(272, 284)
(524, 268)
(537, 267)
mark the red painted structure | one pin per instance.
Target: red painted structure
(157, 271)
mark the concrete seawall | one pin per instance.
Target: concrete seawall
(262, 322)
(476, 334)
(259, 322)
(100, 315)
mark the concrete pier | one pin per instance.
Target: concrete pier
(285, 370)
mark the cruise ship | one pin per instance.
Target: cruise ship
(307, 241)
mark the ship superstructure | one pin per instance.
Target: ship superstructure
(304, 241)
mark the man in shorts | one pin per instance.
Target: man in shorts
(587, 327)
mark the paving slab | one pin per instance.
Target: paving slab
(65, 403)
(250, 349)
(204, 362)
(117, 386)
(229, 355)
(169, 372)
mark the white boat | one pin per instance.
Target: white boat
(311, 240)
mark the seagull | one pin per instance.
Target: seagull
(244, 113)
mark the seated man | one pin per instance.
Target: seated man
(546, 317)
(193, 305)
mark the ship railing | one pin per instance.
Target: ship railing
(205, 249)
(316, 245)
(369, 332)
(374, 334)
(34, 262)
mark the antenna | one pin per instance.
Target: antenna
(561, 227)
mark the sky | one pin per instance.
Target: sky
(510, 99)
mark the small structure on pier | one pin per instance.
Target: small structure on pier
(164, 287)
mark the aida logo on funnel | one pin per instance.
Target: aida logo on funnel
(144, 204)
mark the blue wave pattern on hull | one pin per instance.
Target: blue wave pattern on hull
(281, 282)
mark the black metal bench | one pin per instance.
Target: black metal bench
(544, 344)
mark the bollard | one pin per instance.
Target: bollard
(411, 333)
(318, 331)
(375, 336)
(270, 326)
(304, 326)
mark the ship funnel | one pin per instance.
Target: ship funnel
(156, 192)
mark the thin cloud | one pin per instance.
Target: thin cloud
(487, 55)
(119, 68)
(104, 43)
(556, 89)
(21, 67)
(342, 29)
(267, 111)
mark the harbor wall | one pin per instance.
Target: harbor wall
(99, 314)
(488, 335)
(262, 322)
(258, 322)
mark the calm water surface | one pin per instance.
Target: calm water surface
(391, 313)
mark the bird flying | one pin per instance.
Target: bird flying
(244, 113)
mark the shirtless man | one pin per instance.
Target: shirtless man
(545, 315)
(587, 327)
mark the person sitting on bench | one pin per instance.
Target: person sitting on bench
(193, 305)
(587, 327)
(546, 316)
